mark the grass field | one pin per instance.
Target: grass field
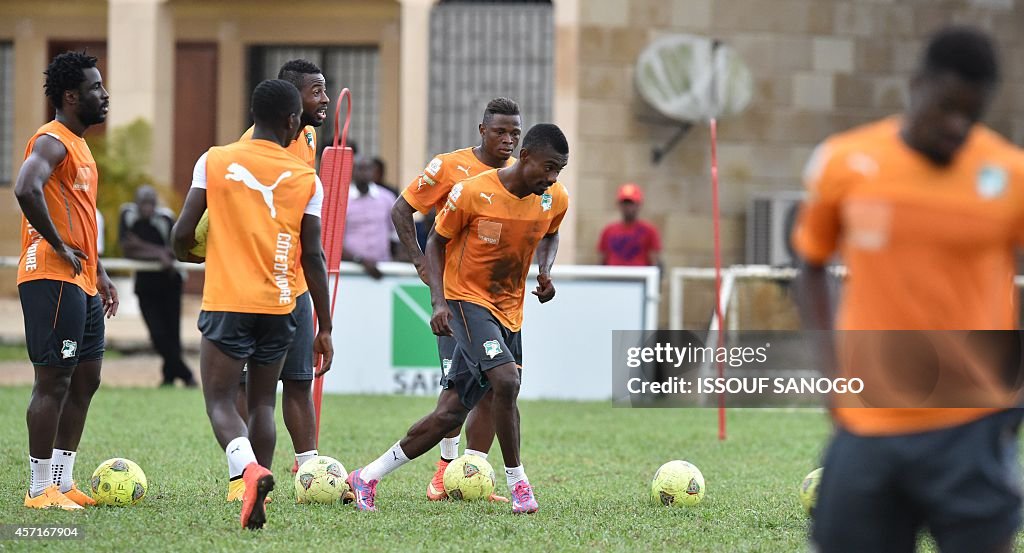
(590, 464)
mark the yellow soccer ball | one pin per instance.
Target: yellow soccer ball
(677, 483)
(118, 482)
(809, 490)
(202, 230)
(320, 480)
(469, 478)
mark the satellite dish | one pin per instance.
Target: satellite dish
(689, 78)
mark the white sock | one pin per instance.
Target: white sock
(480, 454)
(240, 454)
(514, 475)
(301, 458)
(385, 464)
(42, 477)
(450, 448)
(63, 466)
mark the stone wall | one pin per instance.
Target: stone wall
(820, 66)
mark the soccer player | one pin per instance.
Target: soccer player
(494, 223)
(499, 136)
(64, 290)
(249, 293)
(927, 210)
(297, 374)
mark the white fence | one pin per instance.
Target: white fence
(384, 345)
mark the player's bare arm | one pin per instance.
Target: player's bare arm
(439, 322)
(314, 263)
(107, 291)
(183, 235)
(401, 216)
(47, 154)
(546, 250)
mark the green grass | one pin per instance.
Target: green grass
(590, 464)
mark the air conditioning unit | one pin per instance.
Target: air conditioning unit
(770, 219)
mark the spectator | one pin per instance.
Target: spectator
(378, 175)
(145, 232)
(369, 233)
(632, 241)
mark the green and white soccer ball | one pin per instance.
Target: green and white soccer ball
(677, 483)
(469, 478)
(320, 480)
(809, 490)
(118, 482)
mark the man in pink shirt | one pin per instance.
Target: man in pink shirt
(369, 232)
(631, 242)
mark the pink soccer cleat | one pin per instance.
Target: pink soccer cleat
(522, 498)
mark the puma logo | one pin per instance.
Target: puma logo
(487, 197)
(395, 453)
(240, 174)
(463, 169)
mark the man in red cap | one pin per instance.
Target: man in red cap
(632, 241)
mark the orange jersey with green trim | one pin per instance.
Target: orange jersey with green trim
(431, 188)
(927, 247)
(493, 235)
(304, 148)
(70, 195)
(256, 194)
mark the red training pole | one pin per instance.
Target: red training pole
(716, 223)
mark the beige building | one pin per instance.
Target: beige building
(819, 66)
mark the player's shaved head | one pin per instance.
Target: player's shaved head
(295, 71)
(274, 100)
(963, 51)
(500, 106)
(950, 92)
(546, 135)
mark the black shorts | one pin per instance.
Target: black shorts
(260, 338)
(962, 484)
(63, 325)
(298, 365)
(445, 350)
(482, 343)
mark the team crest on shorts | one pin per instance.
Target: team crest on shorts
(446, 365)
(991, 182)
(492, 348)
(68, 351)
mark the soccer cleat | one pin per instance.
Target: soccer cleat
(79, 497)
(347, 497)
(51, 497)
(435, 489)
(522, 498)
(364, 491)
(236, 490)
(495, 498)
(258, 483)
